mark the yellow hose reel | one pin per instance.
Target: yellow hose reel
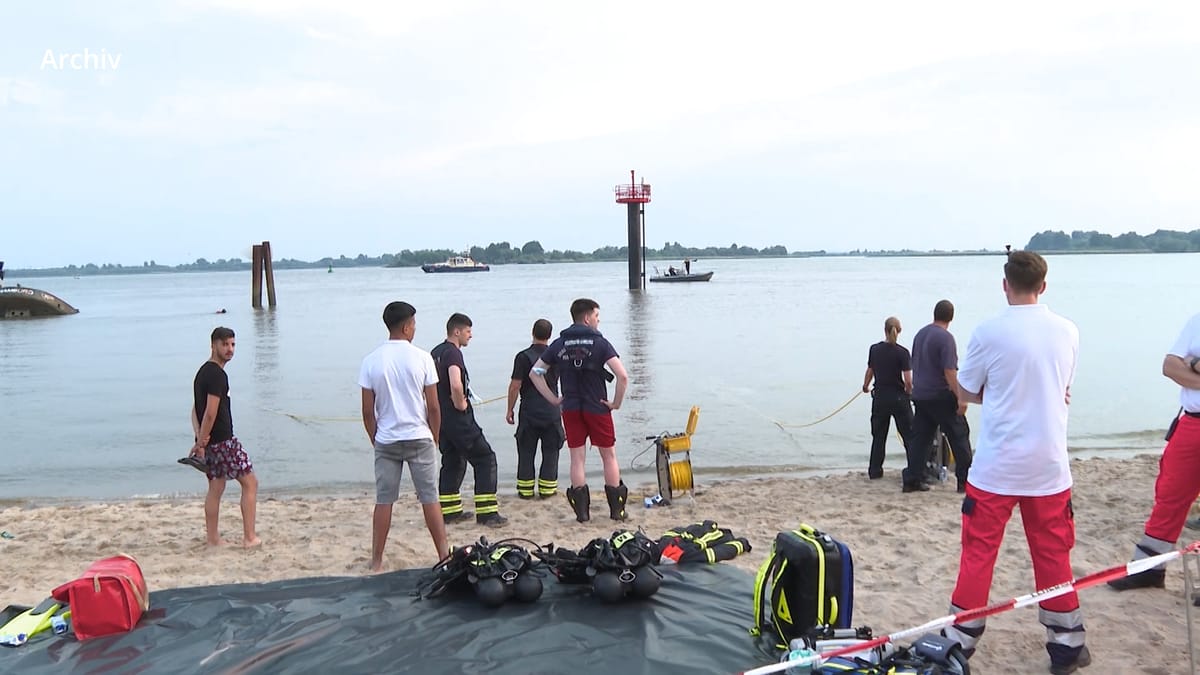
(673, 460)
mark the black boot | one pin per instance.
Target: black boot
(1151, 578)
(616, 501)
(580, 500)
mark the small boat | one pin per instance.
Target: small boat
(458, 263)
(18, 302)
(681, 278)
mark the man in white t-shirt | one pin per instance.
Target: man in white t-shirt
(1019, 366)
(401, 415)
(1178, 482)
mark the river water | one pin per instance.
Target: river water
(96, 405)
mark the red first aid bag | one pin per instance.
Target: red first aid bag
(109, 598)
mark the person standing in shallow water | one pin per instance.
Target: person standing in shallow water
(890, 365)
(212, 423)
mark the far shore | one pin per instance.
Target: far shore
(13, 274)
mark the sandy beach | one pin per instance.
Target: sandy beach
(905, 548)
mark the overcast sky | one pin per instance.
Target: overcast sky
(337, 127)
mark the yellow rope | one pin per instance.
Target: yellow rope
(318, 418)
(781, 425)
(681, 476)
(313, 418)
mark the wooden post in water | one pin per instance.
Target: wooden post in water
(270, 272)
(256, 271)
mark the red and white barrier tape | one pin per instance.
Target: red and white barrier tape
(1093, 579)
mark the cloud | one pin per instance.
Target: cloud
(324, 36)
(387, 19)
(925, 123)
(207, 112)
(20, 92)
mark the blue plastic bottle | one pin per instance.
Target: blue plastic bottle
(797, 655)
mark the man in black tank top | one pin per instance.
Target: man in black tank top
(537, 422)
(890, 365)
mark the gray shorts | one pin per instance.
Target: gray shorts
(421, 455)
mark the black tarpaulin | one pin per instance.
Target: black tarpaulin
(697, 623)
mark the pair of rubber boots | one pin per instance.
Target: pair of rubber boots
(581, 501)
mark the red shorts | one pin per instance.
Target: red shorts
(581, 426)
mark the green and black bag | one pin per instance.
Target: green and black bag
(806, 581)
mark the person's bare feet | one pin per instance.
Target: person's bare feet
(252, 542)
(216, 544)
(375, 567)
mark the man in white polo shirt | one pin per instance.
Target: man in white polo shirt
(1178, 482)
(1019, 366)
(401, 415)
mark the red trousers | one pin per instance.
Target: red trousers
(1049, 530)
(1178, 482)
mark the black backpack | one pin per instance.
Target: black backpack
(806, 581)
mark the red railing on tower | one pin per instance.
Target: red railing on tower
(635, 194)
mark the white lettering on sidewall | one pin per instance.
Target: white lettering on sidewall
(84, 60)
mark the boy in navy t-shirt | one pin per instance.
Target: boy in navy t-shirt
(581, 355)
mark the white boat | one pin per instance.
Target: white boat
(458, 263)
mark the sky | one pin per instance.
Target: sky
(340, 127)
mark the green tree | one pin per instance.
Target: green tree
(1049, 241)
(1130, 241)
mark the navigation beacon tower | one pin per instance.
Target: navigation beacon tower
(634, 195)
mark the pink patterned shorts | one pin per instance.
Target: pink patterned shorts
(227, 460)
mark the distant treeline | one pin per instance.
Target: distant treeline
(1160, 241)
(532, 252)
(496, 254)
(201, 265)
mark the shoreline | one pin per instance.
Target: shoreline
(643, 477)
(905, 548)
(282, 264)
